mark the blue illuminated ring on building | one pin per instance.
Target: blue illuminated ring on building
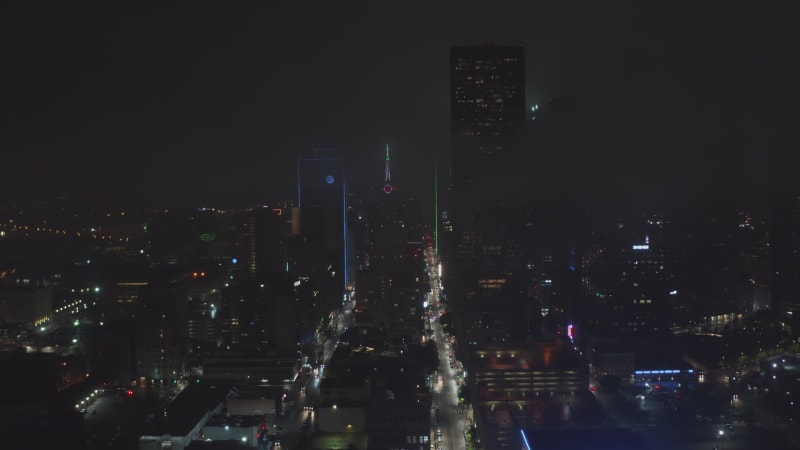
(329, 179)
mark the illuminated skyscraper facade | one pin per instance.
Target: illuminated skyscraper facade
(487, 107)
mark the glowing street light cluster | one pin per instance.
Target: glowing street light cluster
(85, 403)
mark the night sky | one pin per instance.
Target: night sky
(202, 102)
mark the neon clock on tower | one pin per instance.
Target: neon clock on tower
(388, 189)
(329, 179)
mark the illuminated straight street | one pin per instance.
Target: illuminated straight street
(448, 419)
(298, 426)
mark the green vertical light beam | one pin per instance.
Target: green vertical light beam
(436, 207)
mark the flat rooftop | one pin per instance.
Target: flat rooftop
(584, 439)
(545, 411)
(234, 421)
(338, 441)
(529, 356)
(191, 405)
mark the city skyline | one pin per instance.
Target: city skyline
(453, 225)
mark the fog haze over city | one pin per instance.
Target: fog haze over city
(191, 103)
(451, 225)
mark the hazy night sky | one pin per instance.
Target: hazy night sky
(204, 102)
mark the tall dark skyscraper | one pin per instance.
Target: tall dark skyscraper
(487, 114)
(264, 233)
(389, 236)
(487, 108)
(322, 200)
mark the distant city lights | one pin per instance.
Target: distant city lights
(662, 372)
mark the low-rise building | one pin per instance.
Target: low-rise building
(31, 305)
(539, 384)
(583, 438)
(187, 415)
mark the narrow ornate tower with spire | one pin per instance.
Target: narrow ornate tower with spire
(387, 179)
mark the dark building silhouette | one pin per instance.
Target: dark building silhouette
(113, 352)
(390, 284)
(37, 398)
(162, 338)
(168, 239)
(319, 251)
(785, 253)
(26, 304)
(260, 318)
(487, 114)
(627, 276)
(263, 241)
